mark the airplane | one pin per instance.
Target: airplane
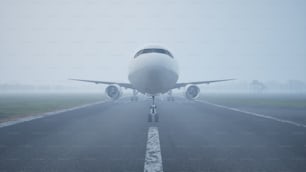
(152, 71)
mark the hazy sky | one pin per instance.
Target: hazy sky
(48, 41)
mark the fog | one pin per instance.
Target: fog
(45, 42)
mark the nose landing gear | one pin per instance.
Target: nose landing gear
(153, 115)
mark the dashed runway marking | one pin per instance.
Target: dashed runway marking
(153, 158)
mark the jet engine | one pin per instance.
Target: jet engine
(113, 92)
(192, 92)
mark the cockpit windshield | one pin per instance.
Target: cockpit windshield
(153, 50)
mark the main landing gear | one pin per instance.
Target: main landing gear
(153, 115)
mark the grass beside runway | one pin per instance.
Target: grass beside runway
(14, 106)
(258, 100)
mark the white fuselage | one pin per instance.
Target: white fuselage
(153, 73)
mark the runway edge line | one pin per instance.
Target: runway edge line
(256, 114)
(30, 118)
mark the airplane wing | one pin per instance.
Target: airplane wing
(124, 85)
(179, 85)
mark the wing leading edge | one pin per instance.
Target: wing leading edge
(179, 85)
(124, 85)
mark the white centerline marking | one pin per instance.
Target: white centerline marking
(153, 159)
(30, 118)
(256, 114)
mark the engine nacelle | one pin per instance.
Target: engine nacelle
(192, 92)
(113, 92)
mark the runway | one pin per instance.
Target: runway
(190, 137)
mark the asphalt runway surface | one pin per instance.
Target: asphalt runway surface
(190, 137)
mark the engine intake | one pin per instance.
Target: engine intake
(192, 92)
(113, 91)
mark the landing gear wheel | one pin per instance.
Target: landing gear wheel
(153, 116)
(153, 112)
